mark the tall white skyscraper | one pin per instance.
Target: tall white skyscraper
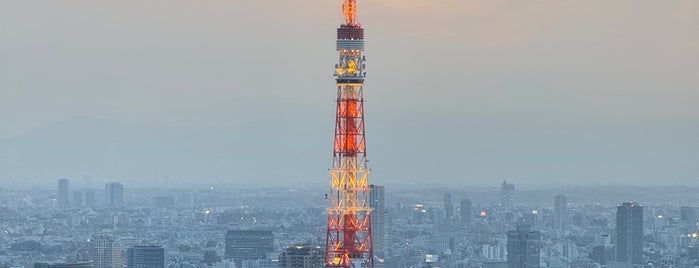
(105, 252)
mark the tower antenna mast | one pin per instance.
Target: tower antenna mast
(348, 241)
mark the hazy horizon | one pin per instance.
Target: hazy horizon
(458, 93)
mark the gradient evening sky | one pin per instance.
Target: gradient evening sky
(457, 91)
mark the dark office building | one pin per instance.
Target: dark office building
(145, 257)
(601, 254)
(523, 246)
(629, 233)
(114, 194)
(507, 196)
(210, 256)
(63, 265)
(248, 245)
(63, 193)
(302, 256)
(377, 202)
(560, 208)
(465, 211)
(689, 216)
(693, 253)
(448, 207)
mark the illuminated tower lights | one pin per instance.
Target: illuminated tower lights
(349, 239)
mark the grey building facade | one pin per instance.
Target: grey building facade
(629, 233)
(248, 245)
(523, 248)
(145, 257)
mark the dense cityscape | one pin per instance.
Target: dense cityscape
(137, 216)
(413, 227)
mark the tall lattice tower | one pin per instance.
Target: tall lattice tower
(348, 242)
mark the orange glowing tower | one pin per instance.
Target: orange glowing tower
(348, 240)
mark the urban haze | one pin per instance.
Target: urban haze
(149, 134)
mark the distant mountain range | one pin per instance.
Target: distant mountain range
(92, 151)
(297, 150)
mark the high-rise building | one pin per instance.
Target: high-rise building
(63, 192)
(248, 245)
(90, 199)
(523, 246)
(114, 194)
(77, 199)
(560, 208)
(507, 196)
(629, 233)
(145, 257)
(63, 265)
(377, 202)
(689, 216)
(448, 207)
(302, 256)
(105, 251)
(532, 218)
(465, 212)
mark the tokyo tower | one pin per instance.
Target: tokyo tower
(348, 242)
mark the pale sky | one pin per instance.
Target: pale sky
(460, 91)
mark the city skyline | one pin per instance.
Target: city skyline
(209, 225)
(501, 133)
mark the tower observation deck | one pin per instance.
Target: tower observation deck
(348, 240)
